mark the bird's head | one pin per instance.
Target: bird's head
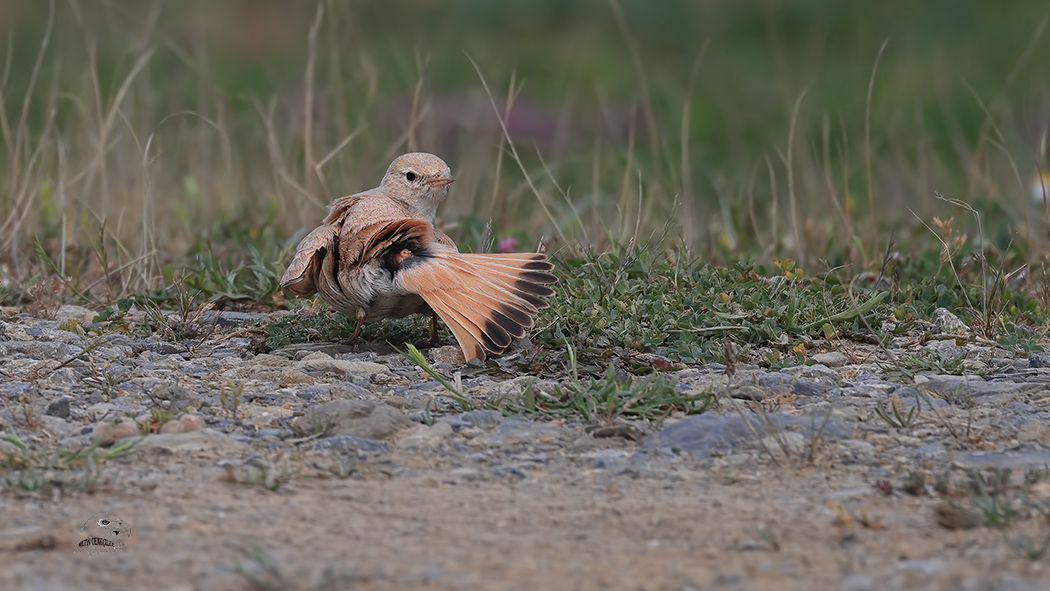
(418, 180)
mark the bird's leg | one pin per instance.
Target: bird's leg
(360, 321)
(433, 329)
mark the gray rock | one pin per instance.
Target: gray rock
(1034, 431)
(1002, 459)
(338, 391)
(517, 431)
(424, 437)
(70, 312)
(13, 389)
(57, 426)
(473, 418)
(358, 418)
(1036, 360)
(230, 319)
(953, 387)
(831, 359)
(359, 370)
(862, 450)
(857, 582)
(929, 567)
(700, 435)
(944, 322)
(185, 443)
(301, 350)
(611, 458)
(351, 443)
(815, 371)
(1009, 582)
(946, 349)
(785, 382)
(784, 444)
(59, 408)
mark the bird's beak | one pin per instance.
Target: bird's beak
(440, 181)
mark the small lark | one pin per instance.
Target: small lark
(378, 255)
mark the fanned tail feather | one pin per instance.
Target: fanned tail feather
(486, 299)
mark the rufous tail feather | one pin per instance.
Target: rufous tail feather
(485, 299)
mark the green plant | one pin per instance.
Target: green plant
(31, 471)
(895, 416)
(608, 399)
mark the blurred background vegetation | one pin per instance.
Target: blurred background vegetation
(138, 135)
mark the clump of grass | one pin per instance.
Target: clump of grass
(263, 571)
(327, 325)
(989, 498)
(644, 301)
(894, 414)
(259, 472)
(614, 397)
(40, 471)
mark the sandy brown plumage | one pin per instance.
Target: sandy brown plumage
(378, 255)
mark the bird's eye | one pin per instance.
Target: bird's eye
(411, 176)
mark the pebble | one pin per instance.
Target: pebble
(831, 359)
(359, 370)
(203, 440)
(350, 443)
(424, 437)
(357, 418)
(704, 434)
(109, 433)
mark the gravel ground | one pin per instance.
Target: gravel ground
(328, 467)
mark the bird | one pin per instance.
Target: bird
(378, 255)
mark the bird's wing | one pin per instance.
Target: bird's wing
(486, 299)
(342, 235)
(301, 275)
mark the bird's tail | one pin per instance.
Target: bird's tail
(486, 299)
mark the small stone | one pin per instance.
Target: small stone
(1006, 460)
(186, 443)
(184, 424)
(56, 426)
(398, 402)
(946, 349)
(425, 437)
(749, 392)
(450, 354)
(944, 322)
(516, 431)
(473, 418)
(1037, 360)
(929, 567)
(791, 443)
(170, 391)
(702, 435)
(58, 408)
(1034, 431)
(357, 418)
(295, 377)
(861, 449)
(857, 582)
(361, 370)
(385, 379)
(831, 359)
(261, 416)
(952, 516)
(111, 432)
(70, 312)
(350, 443)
